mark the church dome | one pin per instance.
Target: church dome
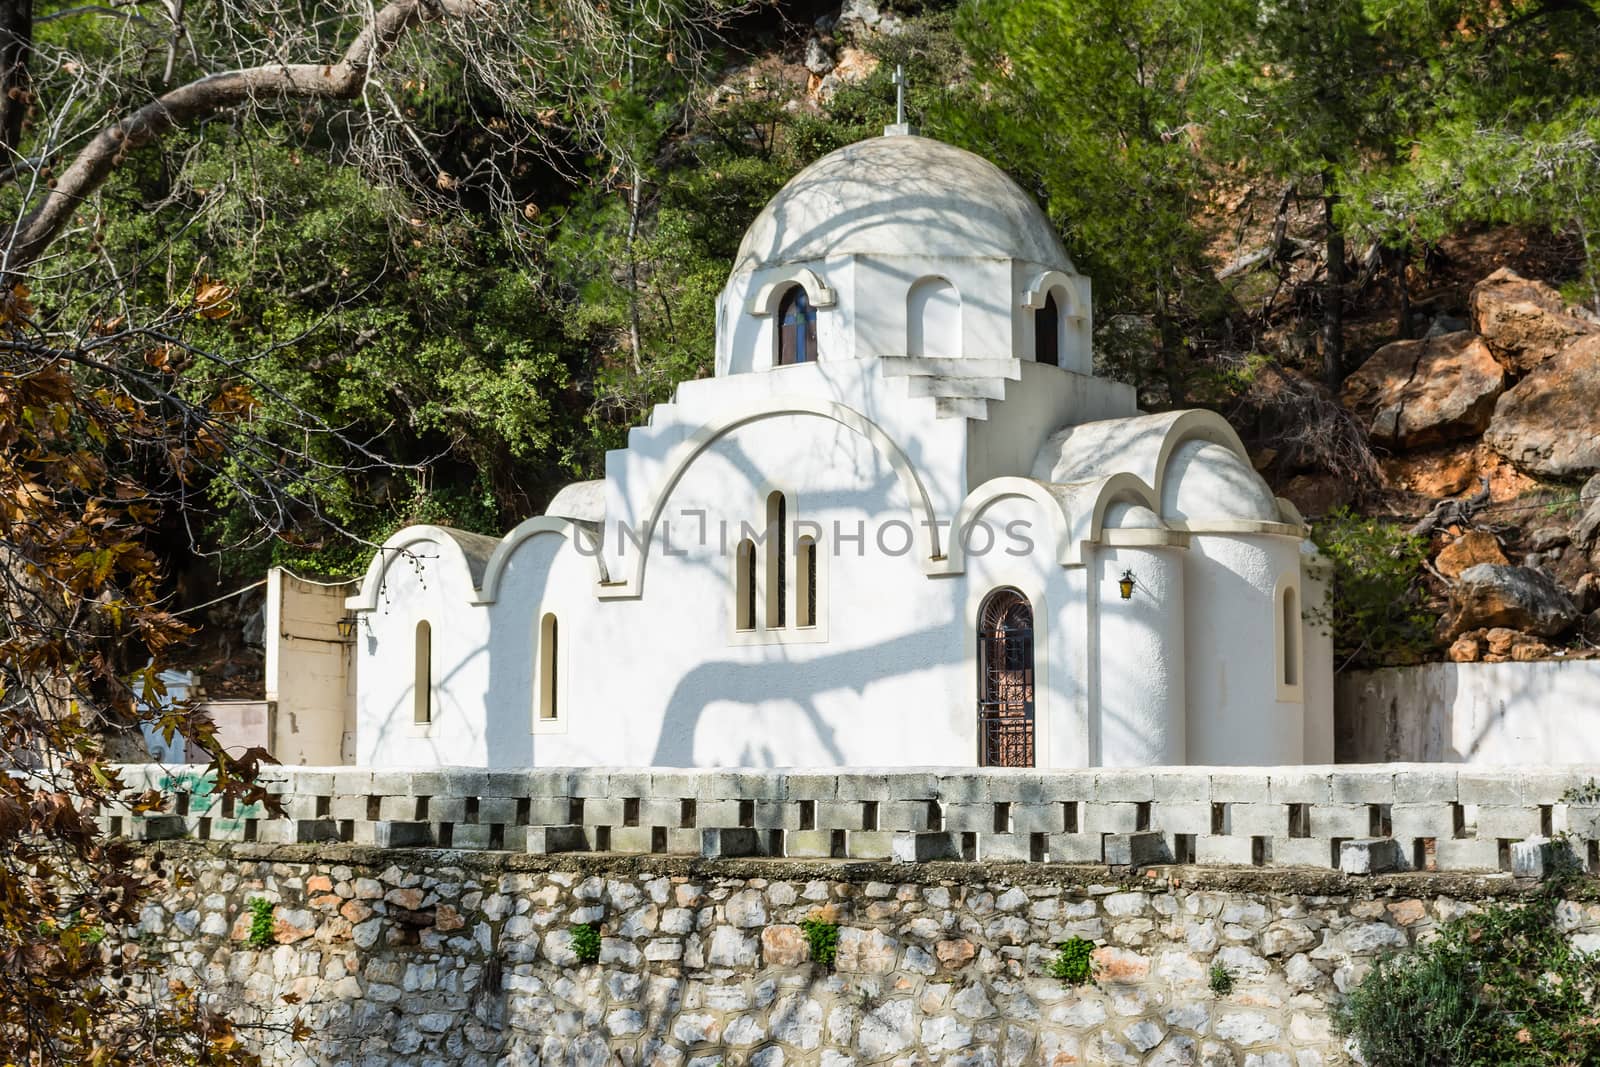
(901, 196)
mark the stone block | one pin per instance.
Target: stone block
(392, 783)
(1425, 785)
(363, 832)
(1020, 787)
(869, 844)
(348, 806)
(602, 811)
(276, 832)
(970, 787)
(1548, 787)
(589, 782)
(1293, 786)
(352, 782)
(812, 787)
(505, 783)
(1223, 849)
(635, 839)
(303, 807)
(808, 844)
(1422, 820)
(397, 833)
(923, 847)
(1466, 854)
(447, 809)
(471, 837)
(679, 785)
(683, 841)
(1172, 785)
(729, 842)
(456, 782)
(399, 808)
(1099, 817)
(1181, 818)
(1124, 787)
(547, 840)
(665, 811)
(748, 785)
(1341, 820)
(1076, 848)
(1005, 848)
(1037, 818)
(1497, 788)
(305, 781)
(860, 787)
(1260, 820)
(904, 815)
(717, 813)
(428, 783)
(838, 814)
(969, 818)
(1374, 786)
(1497, 821)
(315, 831)
(550, 811)
(1583, 820)
(1238, 787)
(1302, 852)
(548, 783)
(912, 785)
(495, 809)
(1370, 855)
(1539, 857)
(1136, 849)
(514, 838)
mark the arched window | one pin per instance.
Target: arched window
(1047, 333)
(1005, 680)
(777, 560)
(933, 319)
(422, 682)
(744, 593)
(805, 558)
(1289, 640)
(549, 650)
(797, 328)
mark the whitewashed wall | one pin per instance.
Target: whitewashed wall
(1489, 714)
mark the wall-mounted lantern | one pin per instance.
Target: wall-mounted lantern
(1126, 584)
(347, 627)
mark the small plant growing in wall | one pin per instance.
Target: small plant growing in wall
(261, 922)
(586, 942)
(822, 937)
(1221, 980)
(1074, 962)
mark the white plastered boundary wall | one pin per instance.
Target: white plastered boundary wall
(1487, 714)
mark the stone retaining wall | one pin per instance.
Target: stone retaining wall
(1418, 816)
(436, 957)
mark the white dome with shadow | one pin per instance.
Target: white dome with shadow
(901, 196)
(1205, 480)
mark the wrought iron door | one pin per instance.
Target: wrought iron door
(1005, 680)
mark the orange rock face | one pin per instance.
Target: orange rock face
(1524, 322)
(1415, 393)
(783, 945)
(1468, 550)
(1549, 424)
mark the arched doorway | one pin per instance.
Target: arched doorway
(1005, 680)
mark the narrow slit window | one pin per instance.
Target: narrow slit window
(1291, 637)
(744, 566)
(777, 560)
(797, 328)
(806, 577)
(422, 683)
(549, 657)
(1047, 333)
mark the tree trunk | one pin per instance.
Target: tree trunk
(1171, 343)
(16, 41)
(1402, 256)
(1333, 291)
(343, 80)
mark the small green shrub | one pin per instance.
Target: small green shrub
(1374, 608)
(822, 937)
(261, 922)
(1221, 980)
(1499, 987)
(1074, 963)
(586, 942)
(1587, 794)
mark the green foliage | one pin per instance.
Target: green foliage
(586, 942)
(1374, 608)
(1074, 962)
(261, 923)
(1220, 979)
(1501, 986)
(822, 937)
(1587, 794)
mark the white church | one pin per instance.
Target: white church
(903, 525)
